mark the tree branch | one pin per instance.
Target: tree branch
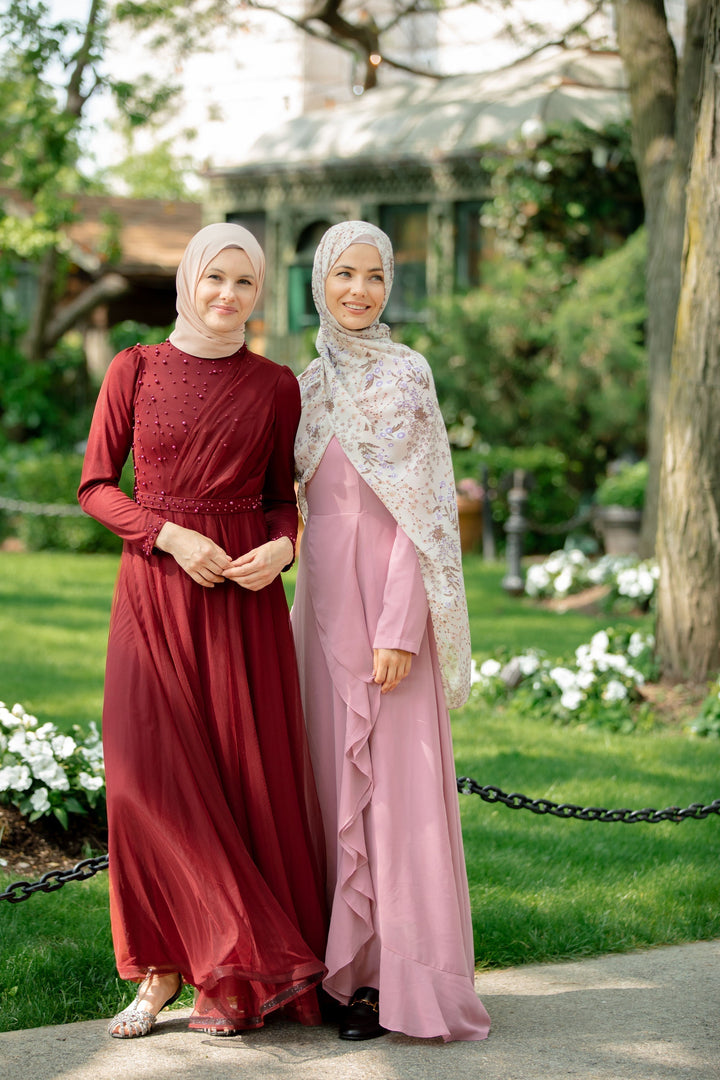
(107, 288)
(75, 99)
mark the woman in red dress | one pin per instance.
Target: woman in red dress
(215, 839)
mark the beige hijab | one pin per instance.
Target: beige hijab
(377, 397)
(191, 335)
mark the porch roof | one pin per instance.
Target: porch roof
(432, 120)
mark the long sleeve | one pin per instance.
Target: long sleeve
(405, 607)
(279, 500)
(109, 444)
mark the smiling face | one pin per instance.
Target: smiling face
(355, 287)
(227, 291)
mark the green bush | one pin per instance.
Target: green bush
(552, 482)
(34, 474)
(538, 358)
(626, 487)
(600, 362)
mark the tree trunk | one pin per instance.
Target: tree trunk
(688, 631)
(663, 110)
(33, 345)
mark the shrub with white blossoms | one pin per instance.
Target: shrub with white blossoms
(598, 688)
(631, 581)
(45, 772)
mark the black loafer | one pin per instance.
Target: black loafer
(361, 1018)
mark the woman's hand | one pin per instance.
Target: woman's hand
(257, 568)
(198, 555)
(390, 667)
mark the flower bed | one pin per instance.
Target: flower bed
(44, 772)
(598, 688)
(630, 581)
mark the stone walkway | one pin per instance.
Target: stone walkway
(651, 1015)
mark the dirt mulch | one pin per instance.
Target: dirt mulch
(674, 704)
(586, 602)
(27, 851)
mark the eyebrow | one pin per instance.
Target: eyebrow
(348, 266)
(219, 270)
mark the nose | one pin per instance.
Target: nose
(357, 285)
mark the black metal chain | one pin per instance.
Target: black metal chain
(467, 786)
(55, 879)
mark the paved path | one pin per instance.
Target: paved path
(652, 1015)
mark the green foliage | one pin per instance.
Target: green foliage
(488, 348)
(599, 357)
(539, 359)
(155, 174)
(570, 191)
(125, 334)
(707, 722)
(50, 400)
(552, 479)
(626, 487)
(36, 475)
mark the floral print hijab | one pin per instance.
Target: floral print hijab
(377, 397)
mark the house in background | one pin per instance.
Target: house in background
(138, 241)
(408, 157)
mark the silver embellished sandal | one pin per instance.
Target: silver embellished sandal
(134, 1021)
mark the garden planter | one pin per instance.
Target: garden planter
(619, 527)
(470, 519)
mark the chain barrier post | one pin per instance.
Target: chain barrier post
(515, 527)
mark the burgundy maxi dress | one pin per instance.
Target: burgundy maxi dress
(215, 837)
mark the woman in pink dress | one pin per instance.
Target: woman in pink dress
(215, 838)
(382, 637)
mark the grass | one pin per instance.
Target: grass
(541, 888)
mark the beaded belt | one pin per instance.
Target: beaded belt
(240, 505)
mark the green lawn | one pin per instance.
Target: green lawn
(541, 888)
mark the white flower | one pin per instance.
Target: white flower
(536, 579)
(571, 698)
(528, 663)
(599, 643)
(52, 774)
(15, 778)
(17, 743)
(555, 562)
(564, 581)
(585, 679)
(564, 678)
(636, 644)
(490, 668)
(94, 754)
(90, 783)
(39, 800)
(63, 746)
(614, 691)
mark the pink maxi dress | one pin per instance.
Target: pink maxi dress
(397, 886)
